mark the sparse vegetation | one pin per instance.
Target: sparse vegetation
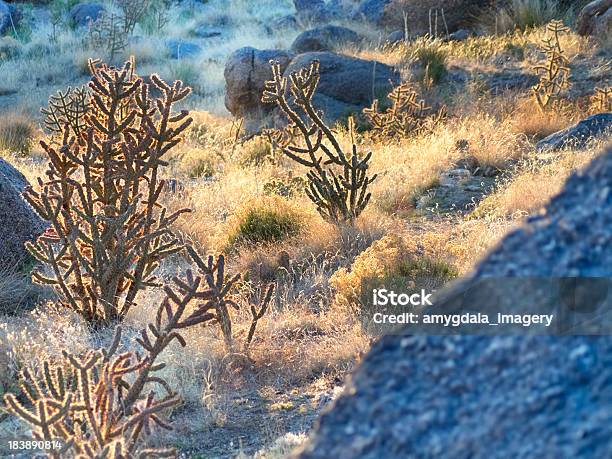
(304, 218)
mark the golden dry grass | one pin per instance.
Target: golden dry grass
(307, 342)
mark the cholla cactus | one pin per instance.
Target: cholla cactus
(103, 404)
(338, 182)
(108, 33)
(602, 99)
(554, 73)
(406, 115)
(68, 107)
(108, 232)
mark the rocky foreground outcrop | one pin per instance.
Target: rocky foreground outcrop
(578, 136)
(18, 222)
(495, 396)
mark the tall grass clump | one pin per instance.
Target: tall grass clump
(265, 221)
(17, 134)
(524, 15)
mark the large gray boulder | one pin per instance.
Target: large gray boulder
(579, 135)
(246, 71)
(18, 222)
(457, 14)
(500, 396)
(596, 19)
(324, 38)
(82, 13)
(347, 84)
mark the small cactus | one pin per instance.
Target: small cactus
(554, 73)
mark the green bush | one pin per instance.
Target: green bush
(256, 152)
(269, 221)
(433, 61)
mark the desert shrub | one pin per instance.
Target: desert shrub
(266, 221)
(155, 18)
(430, 57)
(107, 34)
(288, 188)
(108, 231)
(338, 185)
(67, 107)
(388, 262)
(256, 152)
(554, 72)
(523, 15)
(17, 134)
(198, 163)
(9, 48)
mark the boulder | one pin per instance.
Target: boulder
(324, 38)
(285, 22)
(579, 135)
(18, 222)
(207, 31)
(340, 9)
(460, 35)
(396, 36)
(182, 49)
(347, 84)
(311, 10)
(596, 19)
(246, 71)
(81, 13)
(372, 11)
(478, 397)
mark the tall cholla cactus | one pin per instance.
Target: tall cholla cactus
(108, 232)
(554, 73)
(338, 182)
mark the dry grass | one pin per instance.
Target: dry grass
(532, 186)
(307, 342)
(17, 134)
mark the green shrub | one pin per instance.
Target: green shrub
(268, 221)
(526, 14)
(433, 61)
(256, 152)
(288, 188)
